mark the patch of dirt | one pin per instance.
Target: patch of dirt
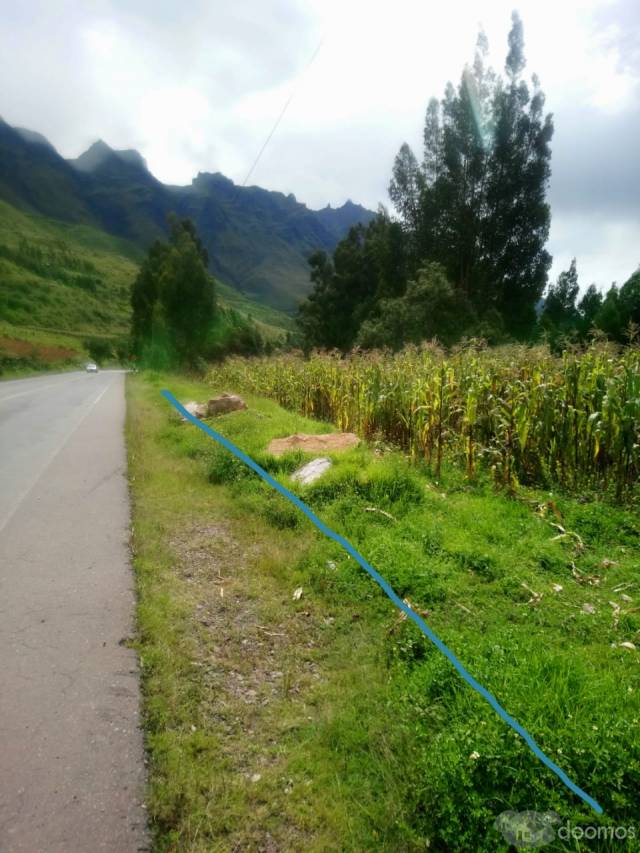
(247, 660)
(246, 664)
(22, 349)
(327, 443)
(202, 552)
(55, 353)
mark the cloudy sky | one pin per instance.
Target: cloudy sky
(197, 87)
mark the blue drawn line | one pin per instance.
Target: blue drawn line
(533, 746)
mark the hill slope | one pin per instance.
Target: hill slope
(258, 240)
(63, 276)
(76, 279)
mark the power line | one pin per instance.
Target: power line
(282, 112)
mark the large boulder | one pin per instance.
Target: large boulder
(327, 443)
(311, 471)
(225, 403)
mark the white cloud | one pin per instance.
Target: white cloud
(197, 87)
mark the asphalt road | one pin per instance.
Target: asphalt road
(71, 756)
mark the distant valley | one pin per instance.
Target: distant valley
(258, 240)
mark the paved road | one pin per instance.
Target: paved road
(71, 757)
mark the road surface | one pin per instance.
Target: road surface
(71, 756)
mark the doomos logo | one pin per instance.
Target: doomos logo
(527, 829)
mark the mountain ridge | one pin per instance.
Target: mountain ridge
(258, 240)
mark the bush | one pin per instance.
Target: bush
(100, 349)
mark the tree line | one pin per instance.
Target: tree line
(566, 318)
(465, 255)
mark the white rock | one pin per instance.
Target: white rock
(198, 410)
(312, 470)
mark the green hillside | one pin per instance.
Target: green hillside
(270, 321)
(61, 283)
(63, 277)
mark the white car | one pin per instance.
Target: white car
(92, 367)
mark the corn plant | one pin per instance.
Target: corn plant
(526, 415)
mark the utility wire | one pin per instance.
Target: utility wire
(282, 112)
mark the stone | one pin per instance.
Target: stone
(310, 472)
(198, 410)
(329, 443)
(225, 403)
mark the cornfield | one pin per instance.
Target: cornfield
(527, 415)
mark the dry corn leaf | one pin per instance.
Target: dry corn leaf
(536, 597)
(616, 613)
(380, 512)
(591, 580)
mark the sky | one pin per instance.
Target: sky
(197, 87)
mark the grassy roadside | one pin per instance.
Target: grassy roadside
(246, 689)
(325, 723)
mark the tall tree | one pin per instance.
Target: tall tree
(475, 203)
(144, 296)
(173, 296)
(560, 311)
(187, 291)
(516, 227)
(482, 187)
(609, 318)
(405, 188)
(588, 308)
(560, 317)
(630, 300)
(370, 264)
(317, 316)
(432, 143)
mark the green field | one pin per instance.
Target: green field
(520, 412)
(327, 722)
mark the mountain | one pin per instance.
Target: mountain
(75, 280)
(258, 240)
(35, 177)
(100, 154)
(33, 136)
(338, 220)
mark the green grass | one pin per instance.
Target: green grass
(366, 738)
(55, 275)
